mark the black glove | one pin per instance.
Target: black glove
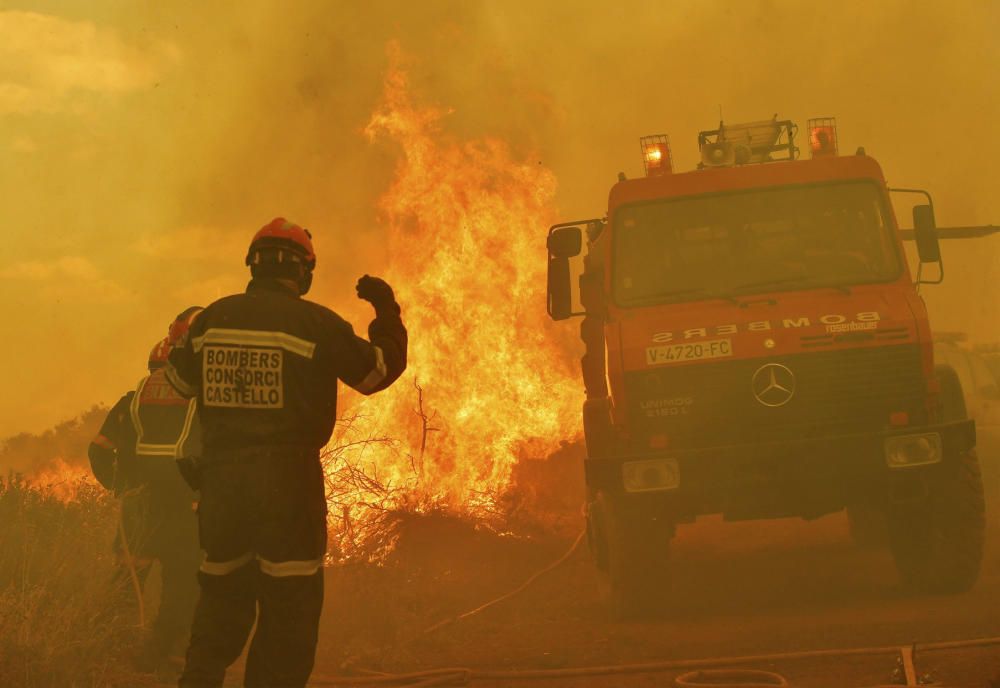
(190, 469)
(102, 465)
(376, 292)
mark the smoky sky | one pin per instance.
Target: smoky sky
(143, 143)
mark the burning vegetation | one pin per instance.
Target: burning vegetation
(490, 394)
(488, 383)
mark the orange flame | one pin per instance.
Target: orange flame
(487, 382)
(61, 479)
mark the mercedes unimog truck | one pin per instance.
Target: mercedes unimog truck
(756, 347)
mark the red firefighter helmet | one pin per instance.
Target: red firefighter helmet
(279, 241)
(158, 355)
(176, 332)
(181, 324)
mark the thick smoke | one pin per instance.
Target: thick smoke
(143, 143)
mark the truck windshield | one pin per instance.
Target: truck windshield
(725, 245)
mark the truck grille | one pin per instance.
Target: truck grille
(836, 392)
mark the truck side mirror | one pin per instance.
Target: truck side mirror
(560, 292)
(925, 233)
(565, 242)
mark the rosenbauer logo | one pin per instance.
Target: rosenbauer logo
(834, 322)
(851, 327)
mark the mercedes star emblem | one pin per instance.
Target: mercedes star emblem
(773, 385)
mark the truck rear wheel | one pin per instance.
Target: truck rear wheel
(937, 542)
(637, 550)
(867, 525)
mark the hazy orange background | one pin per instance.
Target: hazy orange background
(142, 144)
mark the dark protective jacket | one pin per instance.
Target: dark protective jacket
(112, 451)
(164, 421)
(264, 367)
(166, 428)
(143, 434)
(146, 431)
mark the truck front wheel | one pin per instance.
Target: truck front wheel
(937, 541)
(637, 549)
(867, 526)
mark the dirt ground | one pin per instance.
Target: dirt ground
(739, 589)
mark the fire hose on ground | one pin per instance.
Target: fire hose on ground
(710, 672)
(129, 558)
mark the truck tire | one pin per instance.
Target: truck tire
(637, 546)
(867, 525)
(951, 398)
(937, 542)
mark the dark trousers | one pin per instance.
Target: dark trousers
(179, 559)
(262, 522)
(160, 527)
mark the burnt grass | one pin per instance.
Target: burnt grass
(381, 615)
(378, 613)
(65, 621)
(62, 621)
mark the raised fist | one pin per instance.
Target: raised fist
(375, 291)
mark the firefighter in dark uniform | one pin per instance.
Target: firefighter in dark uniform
(264, 366)
(135, 455)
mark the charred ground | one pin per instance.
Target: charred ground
(738, 588)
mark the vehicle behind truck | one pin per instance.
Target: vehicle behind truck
(756, 347)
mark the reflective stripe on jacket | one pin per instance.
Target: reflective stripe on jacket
(264, 366)
(165, 422)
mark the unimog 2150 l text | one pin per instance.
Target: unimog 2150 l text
(756, 347)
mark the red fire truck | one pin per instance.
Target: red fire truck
(756, 347)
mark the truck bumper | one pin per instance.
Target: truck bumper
(808, 477)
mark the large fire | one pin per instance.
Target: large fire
(486, 384)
